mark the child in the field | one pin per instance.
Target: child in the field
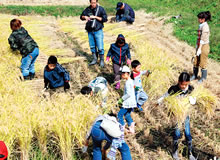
(120, 55)
(99, 84)
(22, 41)
(141, 96)
(128, 100)
(202, 47)
(183, 88)
(55, 76)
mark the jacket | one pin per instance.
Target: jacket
(98, 24)
(119, 55)
(56, 77)
(126, 11)
(22, 41)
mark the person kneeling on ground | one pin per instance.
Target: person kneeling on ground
(99, 84)
(106, 127)
(183, 88)
(124, 13)
(55, 76)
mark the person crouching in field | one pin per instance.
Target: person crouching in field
(22, 41)
(202, 47)
(55, 76)
(106, 128)
(124, 13)
(120, 55)
(99, 84)
(141, 96)
(128, 100)
(182, 88)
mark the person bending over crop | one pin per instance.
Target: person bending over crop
(55, 76)
(106, 128)
(99, 84)
(182, 88)
(22, 41)
(124, 13)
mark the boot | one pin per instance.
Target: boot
(102, 60)
(204, 75)
(94, 61)
(175, 150)
(117, 86)
(32, 75)
(131, 128)
(26, 78)
(191, 157)
(195, 73)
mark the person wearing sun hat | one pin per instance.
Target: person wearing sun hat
(127, 101)
(3, 151)
(124, 13)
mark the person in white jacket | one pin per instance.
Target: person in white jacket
(128, 100)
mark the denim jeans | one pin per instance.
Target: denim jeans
(128, 18)
(27, 63)
(141, 97)
(98, 135)
(127, 113)
(177, 133)
(96, 41)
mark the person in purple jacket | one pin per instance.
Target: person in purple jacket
(124, 13)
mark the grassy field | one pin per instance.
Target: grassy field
(185, 28)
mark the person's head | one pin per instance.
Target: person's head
(125, 72)
(15, 24)
(120, 5)
(204, 16)
(52, 61)
(136, 66)
(184, 80)
(3, 151)
(86, 90)
(120, 41)
(93, 3)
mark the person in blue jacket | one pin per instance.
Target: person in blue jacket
(120, 55)
(55, 75)
(124, 13)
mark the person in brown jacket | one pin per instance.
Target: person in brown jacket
(202, 47)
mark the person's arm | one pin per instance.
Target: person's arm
(12, 43)
(204, 39)
(84, 15)
(129, 90)
(102, 17)
(160, 100)
(109, 52)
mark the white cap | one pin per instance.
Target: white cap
(125, 69)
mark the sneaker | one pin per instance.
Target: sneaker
(131, 128)
(117, 87)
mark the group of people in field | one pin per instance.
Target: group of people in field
(111, 127)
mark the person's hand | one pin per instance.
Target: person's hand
(120, 101)
(192, 100)
(66, 85)
(198, 52)
(87, 18)
(107, 59)
(159, 101)
(128, 61)
(92, 17)
(84, 149)
(148, 72)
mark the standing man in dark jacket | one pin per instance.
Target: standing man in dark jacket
(124, 13)
(95, 16)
